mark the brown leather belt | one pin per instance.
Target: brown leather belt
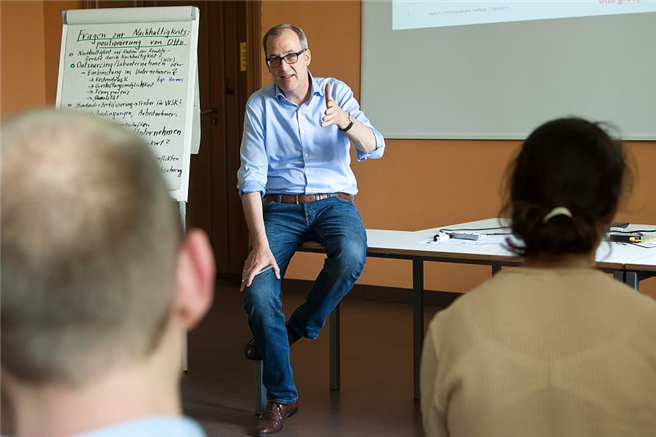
(302, 198)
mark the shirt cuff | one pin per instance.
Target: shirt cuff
(252, 187)
(374, 154)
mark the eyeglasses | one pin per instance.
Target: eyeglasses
(290, 58)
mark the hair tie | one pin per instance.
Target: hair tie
(559, 210)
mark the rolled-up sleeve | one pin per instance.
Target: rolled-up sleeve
(252, 175)
(377, 152)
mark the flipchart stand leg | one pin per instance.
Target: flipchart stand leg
(185, 357)
(417, 319)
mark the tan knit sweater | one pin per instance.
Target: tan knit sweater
(542, 353)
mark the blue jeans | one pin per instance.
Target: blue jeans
(336, 224)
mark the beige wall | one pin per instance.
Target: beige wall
(22, 67)
(52, 42)
(30, 40)
(420, 184)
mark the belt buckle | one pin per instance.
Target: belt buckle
(297, 202)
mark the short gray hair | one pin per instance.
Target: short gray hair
(276, 31)
(89, 245)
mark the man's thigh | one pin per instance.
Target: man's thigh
(337, 223)
(286, 229)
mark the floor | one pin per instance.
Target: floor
(376, 396)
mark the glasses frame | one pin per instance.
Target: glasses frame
(279, 59)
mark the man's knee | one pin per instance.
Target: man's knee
(351, 254)
(264, 293)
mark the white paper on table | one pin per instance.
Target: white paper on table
(488, 240)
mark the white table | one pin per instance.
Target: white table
(610, 257)
(639, 269)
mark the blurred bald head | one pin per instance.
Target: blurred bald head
(89, 247)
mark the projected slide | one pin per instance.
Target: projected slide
(413, 14)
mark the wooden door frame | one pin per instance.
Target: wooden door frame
(254, 56)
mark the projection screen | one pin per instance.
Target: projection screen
(496, 70)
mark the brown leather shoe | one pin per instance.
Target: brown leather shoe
(251, 352)
(270, 421)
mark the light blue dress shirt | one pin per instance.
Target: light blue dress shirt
(285, 150)
(161, 426)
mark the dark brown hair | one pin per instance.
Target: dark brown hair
(570, 163)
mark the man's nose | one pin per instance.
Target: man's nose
(284, 66)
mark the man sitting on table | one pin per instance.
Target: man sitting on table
(297, 185)
(98, 283)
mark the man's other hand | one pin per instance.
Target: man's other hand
(256, 261)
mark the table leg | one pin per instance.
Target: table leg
(334, 349)
(260, 390)
(418, 318)
(632, 280)
(618, 275)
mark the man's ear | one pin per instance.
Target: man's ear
(309, 56)
(195, 279)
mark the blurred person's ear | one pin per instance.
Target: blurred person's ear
(195, 279)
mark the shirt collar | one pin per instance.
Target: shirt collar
(317, 89)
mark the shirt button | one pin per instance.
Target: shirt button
(307, 155)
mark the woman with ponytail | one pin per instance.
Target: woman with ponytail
(554, 347)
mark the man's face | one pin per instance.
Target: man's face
(291, 78)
